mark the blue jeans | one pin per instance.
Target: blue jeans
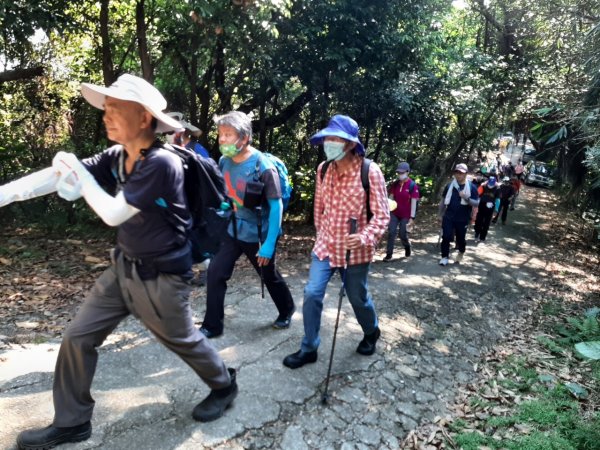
(357, 290)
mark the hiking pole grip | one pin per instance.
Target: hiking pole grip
(259, 226)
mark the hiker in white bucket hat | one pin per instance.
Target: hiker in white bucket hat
(151, 264)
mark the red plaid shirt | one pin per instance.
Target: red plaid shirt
(341, 196)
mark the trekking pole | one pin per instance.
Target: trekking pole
(325, 395)
(259, 225)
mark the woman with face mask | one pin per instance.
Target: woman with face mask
(244, 166)
(339, 198)
(405, 192)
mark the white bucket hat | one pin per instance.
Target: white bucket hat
(133, 89)
(178, 116)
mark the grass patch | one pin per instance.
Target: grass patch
(474, 441)
(555, 415)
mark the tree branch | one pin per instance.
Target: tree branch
(21, 74)
(288, 112)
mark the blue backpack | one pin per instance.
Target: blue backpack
(284, 179)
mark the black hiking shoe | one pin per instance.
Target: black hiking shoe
(407, 251)
(51, 436)
(387, 256)
(283, 321)
(215, 404)
(298, 359)
(209, 334)
(367, 345)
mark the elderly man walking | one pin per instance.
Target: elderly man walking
(151, 263)
(458, 199)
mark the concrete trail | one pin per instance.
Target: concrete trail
(436, 321)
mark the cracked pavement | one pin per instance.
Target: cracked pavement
(435, 321)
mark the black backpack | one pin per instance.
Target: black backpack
(206, 195)
(364, 178)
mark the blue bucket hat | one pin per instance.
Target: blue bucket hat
(492, 182)
(341, 126)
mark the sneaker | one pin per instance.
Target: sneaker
(283, 321)
(444, 262)
(298, 359)
(459, 257)
(387, 256)
(367, 345)
(209, 334)
(407, 251)
(51, 436)
(215, 404)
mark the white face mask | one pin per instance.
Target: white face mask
(402, 176)
(334, 151)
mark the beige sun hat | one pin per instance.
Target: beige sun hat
(133, 89)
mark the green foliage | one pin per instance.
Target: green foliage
(550, 345)
(589, 350)
(473, 441)
(577, 330)
(541, 441)
(427, 82)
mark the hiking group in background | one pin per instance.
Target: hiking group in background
(165, 226)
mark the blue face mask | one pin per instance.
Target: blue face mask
(334, 151)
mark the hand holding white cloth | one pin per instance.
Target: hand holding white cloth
(68, 165)
(34, 185)
(112, 210)
(68, 187)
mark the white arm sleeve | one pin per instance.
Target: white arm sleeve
(34, 185)
(413, 207)
(112, 210)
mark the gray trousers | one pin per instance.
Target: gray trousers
(163, 307)
(393, 226)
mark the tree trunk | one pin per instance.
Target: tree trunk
(262, 111)
(107, 61)
(140, 27)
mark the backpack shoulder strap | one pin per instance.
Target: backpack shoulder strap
(364, 178)
(257, 166)
(411, 186)
(324, 169)
(364, 174)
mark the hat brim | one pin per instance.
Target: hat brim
(189, 126)
(96, 95)
(461, 170)
(318, 138)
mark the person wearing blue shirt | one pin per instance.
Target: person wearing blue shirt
(241, 165)
(459, 198)
(187, 136)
